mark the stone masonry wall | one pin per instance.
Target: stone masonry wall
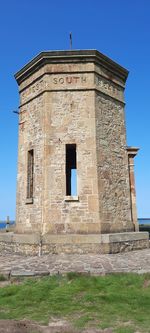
(80, 244)
(113, 175)
(55, 111)
(29, 215)
(70, 118)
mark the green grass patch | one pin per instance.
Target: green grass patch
(120, 301)
(125, 330)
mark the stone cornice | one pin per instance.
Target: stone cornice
(72, 56)
(132, 151)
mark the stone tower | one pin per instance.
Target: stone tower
(71, 122)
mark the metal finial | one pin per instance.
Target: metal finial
(70, 40)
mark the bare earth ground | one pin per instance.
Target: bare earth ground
(12, 326)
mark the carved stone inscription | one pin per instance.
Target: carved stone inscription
(109, 87)
(72, 81)
(69, 80)
(54, 82)
(32, 90)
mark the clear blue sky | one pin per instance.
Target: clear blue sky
(118, 28)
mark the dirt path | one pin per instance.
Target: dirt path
(13, 326)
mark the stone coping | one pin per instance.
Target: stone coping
(70, 56)
(11, 237)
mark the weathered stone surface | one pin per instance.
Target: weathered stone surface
(28, 273)
(112, 159)
(75, 243)
(133, 261)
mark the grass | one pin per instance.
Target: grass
(120, 301)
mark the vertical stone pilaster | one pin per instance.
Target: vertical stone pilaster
(132, 152)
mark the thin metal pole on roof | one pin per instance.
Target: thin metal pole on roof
(70, 40)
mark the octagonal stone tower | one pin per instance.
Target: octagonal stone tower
(73, 163)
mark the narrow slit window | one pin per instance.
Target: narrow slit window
(71, 170)
(30, 169)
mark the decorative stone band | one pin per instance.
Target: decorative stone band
(71, 82)
(132, 152)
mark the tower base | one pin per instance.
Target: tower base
(33, 244)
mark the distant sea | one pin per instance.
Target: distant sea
(3, 224)
(140, 221)
(144, 221)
